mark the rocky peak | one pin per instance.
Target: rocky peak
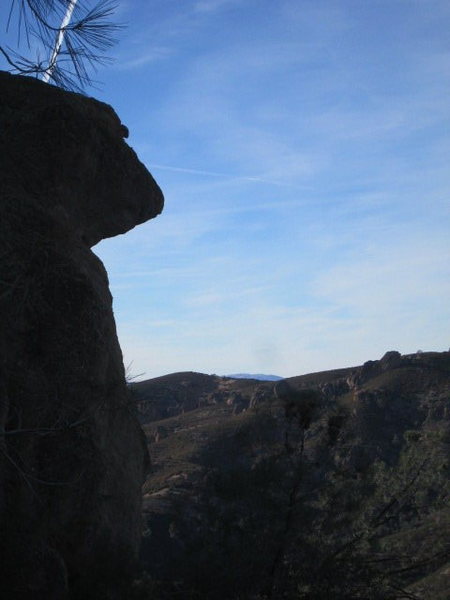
(68, 152)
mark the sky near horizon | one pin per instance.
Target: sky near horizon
(303, 150)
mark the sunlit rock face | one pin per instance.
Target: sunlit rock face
(73, 456)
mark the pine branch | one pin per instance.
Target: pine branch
(74, 37)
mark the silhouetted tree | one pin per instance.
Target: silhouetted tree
(68, 38)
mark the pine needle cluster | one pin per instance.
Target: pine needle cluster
(60, 41)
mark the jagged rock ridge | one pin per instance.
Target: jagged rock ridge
(73, 456)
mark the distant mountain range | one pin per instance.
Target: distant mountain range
(259, 376)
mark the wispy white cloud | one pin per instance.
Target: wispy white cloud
(304, 168)
(229, 176)
(145, 56)
(208, 6)
(390, 293)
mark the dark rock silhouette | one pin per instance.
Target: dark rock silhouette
(72, 453)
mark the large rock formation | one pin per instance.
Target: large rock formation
(72, 454)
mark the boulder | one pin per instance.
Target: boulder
(67, 152)
(73, 456)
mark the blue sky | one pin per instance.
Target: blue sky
(303, 149)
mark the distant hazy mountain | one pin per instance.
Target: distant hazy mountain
(255, 376)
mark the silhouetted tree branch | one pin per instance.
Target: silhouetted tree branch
(69, 39)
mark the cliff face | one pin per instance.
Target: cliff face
(72, 454)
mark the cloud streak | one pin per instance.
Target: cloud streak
(303, 160)
(230, 176)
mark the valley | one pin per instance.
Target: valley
(327, 485)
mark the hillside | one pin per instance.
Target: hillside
(327, 485)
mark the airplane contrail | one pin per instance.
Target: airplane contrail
(192, 171)
(215, 174)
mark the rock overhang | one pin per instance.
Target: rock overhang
(73, 152)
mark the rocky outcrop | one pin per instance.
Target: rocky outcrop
(72, 454)
(67, 152)
(179, 393)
